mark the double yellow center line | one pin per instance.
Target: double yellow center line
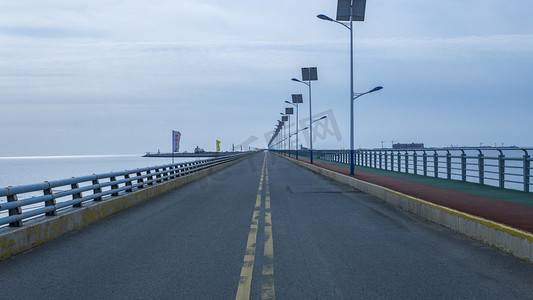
(245, 282)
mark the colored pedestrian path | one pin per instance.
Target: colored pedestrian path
(509, 207)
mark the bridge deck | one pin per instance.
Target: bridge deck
(513, 208)
(259, 228)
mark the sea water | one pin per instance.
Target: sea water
(36, 169)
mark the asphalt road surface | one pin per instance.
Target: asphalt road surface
(264, 228)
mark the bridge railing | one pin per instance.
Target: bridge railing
(509, 168)
(27, 201)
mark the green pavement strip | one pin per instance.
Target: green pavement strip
(451, 184)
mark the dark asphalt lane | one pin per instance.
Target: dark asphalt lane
(329, 242)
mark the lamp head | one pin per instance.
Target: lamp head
(294, 79)
(324, 17)
(377, 88)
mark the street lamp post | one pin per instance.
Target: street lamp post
(288, 112)
(284, 119)
(309, 74)
(280, 139)
(346, 12)
(324, 17)
(296, 100)
(296, 130)
(287, 117)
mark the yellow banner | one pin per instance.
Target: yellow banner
(218, 146)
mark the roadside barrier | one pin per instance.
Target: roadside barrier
(47, 198)
(506, 167)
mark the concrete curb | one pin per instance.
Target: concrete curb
(511, 240)
(45, 229)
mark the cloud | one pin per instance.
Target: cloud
(47, 33)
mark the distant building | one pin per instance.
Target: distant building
(199, 150)
(408, 146)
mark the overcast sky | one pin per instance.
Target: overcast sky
(116, 77)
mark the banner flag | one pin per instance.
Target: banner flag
(218, 146)
(176, 136)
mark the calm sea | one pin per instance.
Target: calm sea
(28, 170)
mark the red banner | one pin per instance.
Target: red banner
(176, 136)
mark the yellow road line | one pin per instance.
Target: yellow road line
(245, 282)
(267, 285)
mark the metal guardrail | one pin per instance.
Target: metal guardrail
(27, 201)
(508, 168)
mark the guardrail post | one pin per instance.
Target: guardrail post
(435, 164)
(51, 202)
(501, 170)
(346, 157)
(399, 161)
(415, 162)
(463, 166)
(176, 171)
(97, 190)
(76, 195)
(173, 172)
(128, 183)
(380, 160)
(157, 176)
(425, 163)
(14, 211)
(392, 161)
(481, 168)
(448, 165)
(386, 162)
(150, 177)
(526, 172)
(140, 181)
(406, 157)
(170, 173)
(162, 176)
(114, 186)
